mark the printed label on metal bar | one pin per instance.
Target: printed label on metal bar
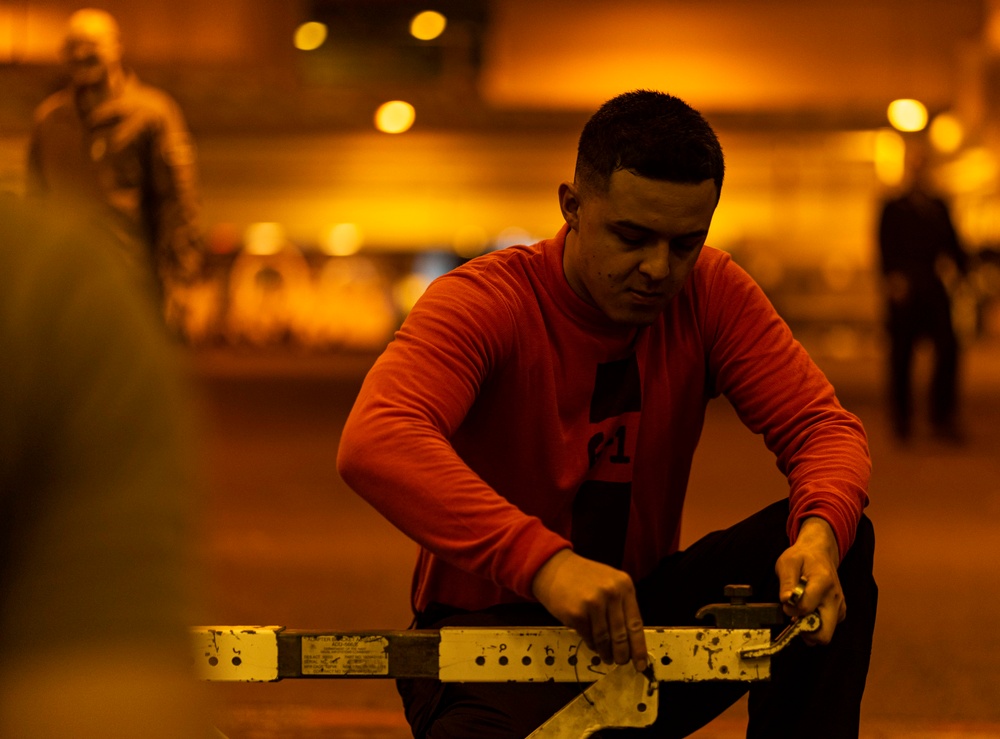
(345, 654)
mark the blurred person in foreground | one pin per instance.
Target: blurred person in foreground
(919, 252)
(97, 485)
(533, 423)
(118, 152)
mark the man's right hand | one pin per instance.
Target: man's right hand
(598, 602)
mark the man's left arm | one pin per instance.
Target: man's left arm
(821, 448)
(174, 179)
(151, 120)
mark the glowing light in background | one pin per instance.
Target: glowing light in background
(907, 115)
(29, 33)
(512, 236)
(342, 240)
(427, 267)
(428, 25)
(395, 116)
(310, 36)
(992, 31)
(890, 155)
(974, 171)
(842, 342)
(470, 241)
(946, 133)
(407, 291)
(264, 239)
(767, 269)
(838, 272)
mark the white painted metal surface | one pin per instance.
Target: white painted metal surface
(623, 698)
(236, 653)
(558, 654)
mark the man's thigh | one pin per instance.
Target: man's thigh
(745, 553)
(823, 680)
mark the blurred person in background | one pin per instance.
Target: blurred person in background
(919, 253)
(118, 152)
(97, 492)
(533, 424)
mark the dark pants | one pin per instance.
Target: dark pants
(926, 315)
(814, 691)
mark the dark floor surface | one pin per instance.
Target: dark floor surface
(286, 543)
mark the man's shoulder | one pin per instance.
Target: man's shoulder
(150, 97)
(510, 266)
(492, 285)
(711, 262)
(715, 276)
(713, 257)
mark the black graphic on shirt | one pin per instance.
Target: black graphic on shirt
(598, 444)
(600, 520)
(601, 508)
(617, 389)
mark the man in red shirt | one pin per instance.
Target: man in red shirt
(532, 427)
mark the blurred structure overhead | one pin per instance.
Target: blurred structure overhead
(373, 42)
(159, 32)
(728, 55)
(282, 95)
(234, 61)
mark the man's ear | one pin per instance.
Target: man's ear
(569, 204)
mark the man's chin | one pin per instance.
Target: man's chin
(636, 317)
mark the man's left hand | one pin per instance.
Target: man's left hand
(813, 559)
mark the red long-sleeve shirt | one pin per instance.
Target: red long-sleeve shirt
(509, 419)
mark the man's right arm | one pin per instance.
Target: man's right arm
(396, 449)
(396, 453)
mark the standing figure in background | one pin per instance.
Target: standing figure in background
(918, 246)
(118, 153)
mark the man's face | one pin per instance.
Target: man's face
(90, 56)
(629, 250)
(87, 61)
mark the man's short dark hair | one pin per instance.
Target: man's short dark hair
(650, 134)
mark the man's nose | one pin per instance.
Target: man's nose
(656, 262)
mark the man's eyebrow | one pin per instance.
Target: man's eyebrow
(625, 223)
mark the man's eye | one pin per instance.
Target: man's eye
(632, 240)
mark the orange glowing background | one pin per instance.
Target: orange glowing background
(325, 230)
(798, 92)
(726, 54)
